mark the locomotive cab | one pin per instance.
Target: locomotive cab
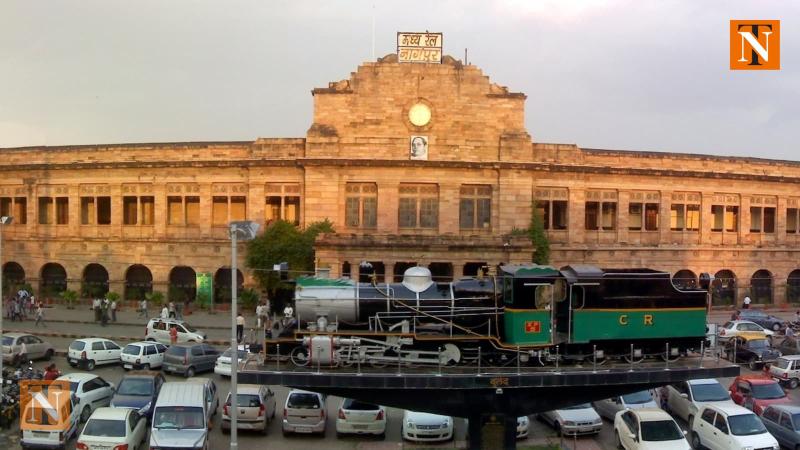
(531, 295)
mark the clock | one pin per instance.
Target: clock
(419, 114)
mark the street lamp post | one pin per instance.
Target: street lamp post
(4, 220)
(246, 230)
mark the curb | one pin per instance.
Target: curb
(112, 338)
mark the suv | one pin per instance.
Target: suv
(787, 370)
(138, 390)
(685, 398)
(158, 330)
(304, 412)
(90, 352)
(256, 408)
(188, 359)
(752, 348)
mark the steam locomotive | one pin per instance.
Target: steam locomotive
(528, 314)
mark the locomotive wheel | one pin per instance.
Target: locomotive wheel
(300, 356)
(665, 357)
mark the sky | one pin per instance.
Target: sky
(614, 74)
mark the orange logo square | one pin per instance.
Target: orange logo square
(45, 405)
(533, 326)
(755, 44)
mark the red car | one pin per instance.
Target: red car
(756, 393)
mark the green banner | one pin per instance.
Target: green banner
(205, 288)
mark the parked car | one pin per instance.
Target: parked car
(783, 422)
(211, 393)
(787, 345)
(686, 398)
(357, 417)
(574, 420)
(35, 346)
(117, 428)
(426, 427)
(609, 408)
(648, 428)
(91, 391)
(736, 327)
(786, 370)
(765, 320)
(751, 348)
(730, 427)
(90, 352)
(756, 393)
(180, 417)
(138, 390)
(158, 330)
(223, 363)
(255, 405)
(33, 435)
(143, 355)
(523, 427)
(188, 359)
(304, 412)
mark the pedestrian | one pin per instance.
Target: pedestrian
(143, 308)
(164, 312)
(258, 315)
(789, 331)
(96, 308)
(746, 303)
(113, 310)
(51, 372)
(40, 316)
(173, 334)
(104, 312)
(22, 356)
(735, 315)
(17, 310)
(797, 316)
(239, 327)
(34, 305)
(171, 309)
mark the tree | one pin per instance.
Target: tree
(541, 245)
(70, 296)
(283, 242)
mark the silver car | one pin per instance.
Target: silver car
(609, 407)
(783, 422)
(36, 348)
(574, 420)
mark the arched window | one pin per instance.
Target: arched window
(138, 282)
(94, 283)
(723, 291)
(761, 286)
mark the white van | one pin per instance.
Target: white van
(180, 418)
(56, 432)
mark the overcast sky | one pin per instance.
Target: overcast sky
(618, 74)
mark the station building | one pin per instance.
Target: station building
(414, 164)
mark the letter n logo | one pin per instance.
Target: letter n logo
(755, 45)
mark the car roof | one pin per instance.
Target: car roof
(181, 393)
(300, 391)
(77, 376)
(791, 357)
(142, 343)
(248, 388)
(736, 322)
(646, 414)
(791, 409)
(15, 334)
(142, 374)
(755, 379)
(703, 381)
(108, 413)
(92, 339)
(730, 409)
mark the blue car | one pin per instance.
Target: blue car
(783, 422)
(138, 390)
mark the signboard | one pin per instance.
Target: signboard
(205, 288)
(419, 47)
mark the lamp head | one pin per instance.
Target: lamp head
(246, 229)
(6, 220)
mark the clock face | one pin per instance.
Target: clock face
(419, 114)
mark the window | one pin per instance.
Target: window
(475, 208)
(95, 210)
(643, 211)
(725, 213)
(684, 214)
(228, 209)
(792, 220)
(16, 207)
(45, 210)
(551, 205)
(97, 346)
(183, 210)
(138, 210)
(719, 423)
(361, 205)
(601, 210)
(762, 215)
(708, 416)
(418, 206)
(282, 203)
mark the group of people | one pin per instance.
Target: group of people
(23, 305)
(102, 308)
(169, 311)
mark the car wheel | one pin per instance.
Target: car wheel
(90, 365)
(145, 366)
(48, 355)
(285, 433)
(382, 436)
(793, 383)
(696, 444)
(86, 413)
(752, 363)
(189, 372)
(266, 427)
(776, 327)
(616, 439)
(557, 427)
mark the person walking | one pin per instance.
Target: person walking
(735, 315)
(96, 308)
(258, 315)
(171, 308)
(113, 310)
(164, 312)
(173, 335)
(143, 308)
(17, 311)
(40, 316)
(22, 356)
(104, 312)
(239, 328)
(51, 372)
(746, 303)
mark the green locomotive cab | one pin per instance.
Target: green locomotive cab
(530, 294)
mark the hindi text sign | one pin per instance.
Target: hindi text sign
(419, 47)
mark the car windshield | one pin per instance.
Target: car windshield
(580, 406)
(105, 428)
(661, 430)
(135, 386)
(355, 405)
(713, 392)
(768, 391)
(303, 400)
(745, 425)
(8, 340)
(179, 418)
(758, 344)
(77, 345)
(782, 363)
(228, 353)
(177, 351)
(637, 398)
(131, 349)
(245, 400)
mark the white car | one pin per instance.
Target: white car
(523, 427)
(255, 405)
(425, 427)
(609, 408)
(158, 330)
(730, 427)
(91, 352)
(685, 398)
(223, 365)
(143, 355)
(357, 417)
(92, 392)
(737, 327)
(648, 429)
(574, 420)
(117, 428)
